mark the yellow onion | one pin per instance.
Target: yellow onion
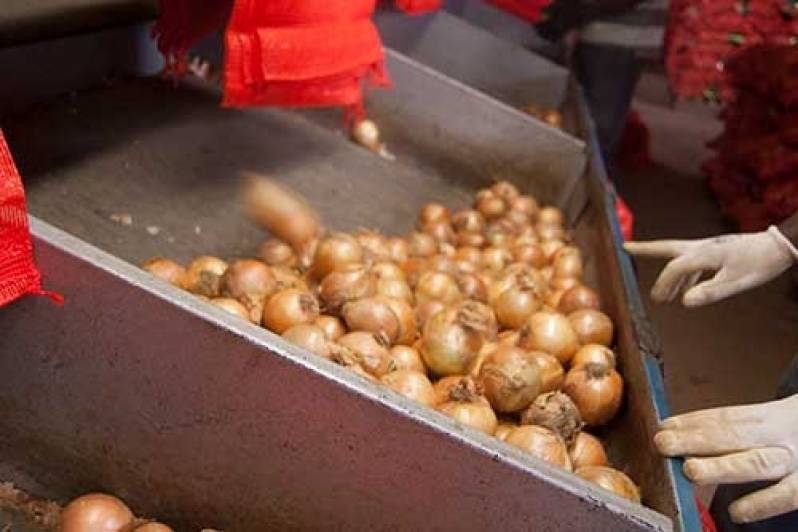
(277, 253)
(335, 253)
(476, 240)
(510, 378)
(516, 275)
(203, 276)
(414, 268)
(437, 286)
(496, 258)
(505, 190)
(467, 406)
(350, 284)
(333, 327)
(443, 264)
(407, 358)
(597, 390)
(491, 206)
(372, 314)
(612, 480)
(552, 299)
(519, 219)
(587, 450)
(468, 221)
(288, 308)
(503, 430)
(550, 216)
(153, 526)
(555, 411)
(412, 384)
(366, 133)
(568, 264)
(593, 353)
(508, 337)
(422, 245)
(310, 337)
(577, 298)
(470, 254)
(551, 333)
(251, 282)
(443, 387)
(368, 350)
(287, 278)
(451, 341)
(387, 270)
(526, 204)
(96, 512)
(433, 213)
(516, 304)
(531, 254)
(398, 249)
(166, 270)
(440, 231)
(279, 210)
(550, 247)
(232, 306)
(375, 246)
(395, 288)
(563, 283)
(306, 252)
(592, 326)
(472, 287)
(552, 374)
(541, 443)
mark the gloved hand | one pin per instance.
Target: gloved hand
(740, 444)
(742, 261)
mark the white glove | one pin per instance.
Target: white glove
(742, 261)
(742, 444)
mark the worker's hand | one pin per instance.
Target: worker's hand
(741, 262)
(740, 444)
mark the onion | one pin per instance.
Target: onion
(577, 298)
(203, 276)
(470, 254)
(500, 236)
(592, 326)
(442, 263)
(476, 240)
(422, 245)
(550, 247)
(472, 287)
(375, 247)
(395, 288)
(551, 333)
(310, 337)
(352, 283)
(440, 231)
(518, 219)
(450, 342)
(476, 365)
(166, 270)
(398, 249)
(333, 327)
(443, 388)
(567, 265)
(372, 314)
(277, 253)
(286, 278)
(414, 268)
(496, 258)
(438, 286)
(96, 512)
(335, 253)
(552, 374)
(550, 216)
(467, 406)
(597, 390)
(358, 369)
(288, 308)
(563, 283)
(526, 204)
(517, 275)
(491, 206)
(503, 430)
(555, 411)
(251, 282)
(471, 222)
(531, 254)
(279, 210)
(593, 353)
(306, 253)
(365, 349)
(612, 480)
(233, 307)
(412, 384)
(505, 190)
(541, 443)
(366, 133)
(406, 358)
(433, 213)
(153, 527)
(587, 450)
(552, 299)
(515, 305)
(387, 270)
(508, 338)
(510, 378)
(447, 250)
(426, 310)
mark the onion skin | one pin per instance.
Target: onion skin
(406, 358)
(551, 333)
(612, 480)
(577, 298)
(510, 378)
(233, 307)
(251, 282)
(280, 211)
(288, 308)
(593, 353)
(333, 327)
(412, 384)
(372, 314)
(555, 411)
(597, 390)
(203, 276)
(309, 337)
(277, 253)
(552, 374)
(366, 350)
(541, 443)
(587, 450)
(592, 326)
(335, 253)
(166, 270)
(96, 512)
(340, 287)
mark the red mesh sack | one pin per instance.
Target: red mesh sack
(530, 10)
(414, 7)
(18, 273)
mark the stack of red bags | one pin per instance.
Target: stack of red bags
(755, 170)
(703, 35)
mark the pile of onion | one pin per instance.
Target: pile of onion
(478, 313)
(99, 512)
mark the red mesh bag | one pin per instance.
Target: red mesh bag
(414, 7)
(530, 10)
(18, 273)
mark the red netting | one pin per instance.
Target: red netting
(531, 10)
(415, 7)
(18, 273)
